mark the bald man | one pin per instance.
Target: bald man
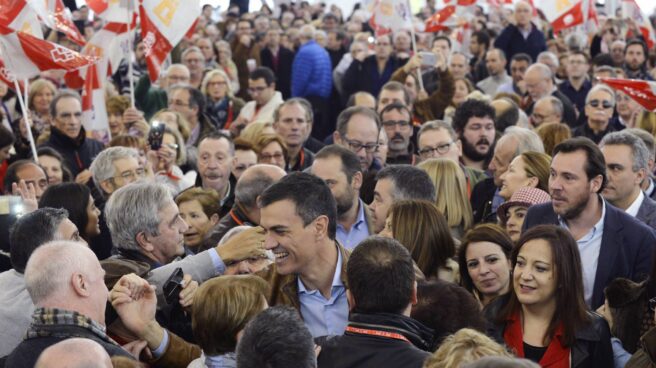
(66, 284)
(245, 210)
(539, 84)
(74, 353)
(523, 36)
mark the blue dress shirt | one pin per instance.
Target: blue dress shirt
(359, 230)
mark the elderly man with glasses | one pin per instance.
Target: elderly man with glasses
(599, 106)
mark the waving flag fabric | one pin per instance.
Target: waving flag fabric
(163, 24)
(55, 15)
(25, 55)
(642, 92)
(390, 16)
(631, 10)
(16, 14)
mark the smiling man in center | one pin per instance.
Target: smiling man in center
(299, 215)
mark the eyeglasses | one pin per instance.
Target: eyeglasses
(276, 156)
(257, 89)
(441, 149)
(357, 146)
(391, 123)
(131, 174)
(652, 304)
(604, 104)
(216, 84)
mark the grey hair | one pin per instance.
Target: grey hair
(527, 140)
(549, 55)
(102, 168)
(173, 66)
(191, 49)
(647, 139)
(308, 31)
(49, 269)
(134, 209)
(601, 87)
(543, 69)
(65, 93)
(638, 148)
(437, 125)
(213, 73)
(249, 188)
(556, 104)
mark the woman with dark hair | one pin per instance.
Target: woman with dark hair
(76, 199)
(423, 230)
(438, 299)
(52, 163)
(544, 317)
(484, 262)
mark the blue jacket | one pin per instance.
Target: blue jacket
(312, 72)
(627, 246)
(512, 42)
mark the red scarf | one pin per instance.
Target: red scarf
(556, 356)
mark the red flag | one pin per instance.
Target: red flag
(16, 14)
(163, 25)
(94, 112)
(630, 9)
(55, 15)
(441, 20)
(26, 55)
(642, 92)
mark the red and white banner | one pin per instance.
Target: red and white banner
(26, 56)
(112, 10)
(642, 92)
(163, 24)
(94, 112)
(631, 10)
(390, 16)
(442, 20)
(16, 14)
(55, 15)
(563, 14)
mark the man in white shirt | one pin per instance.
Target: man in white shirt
(627, 159)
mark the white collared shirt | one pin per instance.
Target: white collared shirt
(589, 247)
(635, 206)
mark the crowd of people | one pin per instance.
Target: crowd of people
(299, 189)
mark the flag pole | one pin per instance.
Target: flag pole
(130, 75)
(414, 46)
(26, 117)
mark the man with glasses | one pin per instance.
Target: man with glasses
(547, 110)
(194, 60)
(577, 85)
(397, 122)
(68, 137)
(265, 100)
(114, 168)
(150, 99)
(539, 83)
(29, 172)
(190, 103)
(357, 130)
(437, 139)
(599, 106)
(292, 120)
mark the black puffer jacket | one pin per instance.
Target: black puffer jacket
(360, 350)
(78, 153)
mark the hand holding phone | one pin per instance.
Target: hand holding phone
(173, 286)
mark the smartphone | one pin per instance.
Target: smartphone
(156, 135)
(428, 58)
(173, 286)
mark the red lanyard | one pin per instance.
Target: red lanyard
(390, 335)
(302, 159)
(232, 214)
(229, 119)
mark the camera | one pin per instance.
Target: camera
(156, 135)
